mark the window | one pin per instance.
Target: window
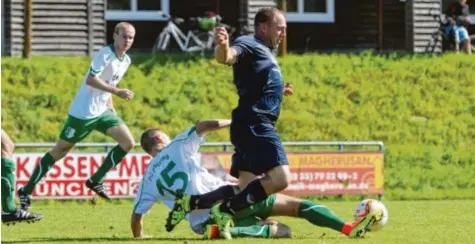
(118, 5)
(311, 11)
(137, 10)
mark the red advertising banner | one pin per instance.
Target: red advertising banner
(66, 178)
(313, 173)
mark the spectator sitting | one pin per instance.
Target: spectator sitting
(459, 34)
(460, 12)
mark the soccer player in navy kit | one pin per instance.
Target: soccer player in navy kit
(259, 160)
(258, 149)
(260, 86)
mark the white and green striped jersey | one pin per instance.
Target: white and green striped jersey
(89, 101)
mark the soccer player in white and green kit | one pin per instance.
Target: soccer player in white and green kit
(175, 176)
(176, 167)
(92, 109)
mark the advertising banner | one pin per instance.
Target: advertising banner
(313, 173)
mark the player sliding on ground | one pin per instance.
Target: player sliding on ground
(92, 109)
(175, 173)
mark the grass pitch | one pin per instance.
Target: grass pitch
(78, 222)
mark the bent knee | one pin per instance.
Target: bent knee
(10, 147)
(282, 185)
(278, 179)
(61, 149)
(127, 144)
(7, 149)
(282, 181)
(245, 178)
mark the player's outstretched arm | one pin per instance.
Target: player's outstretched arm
(224, 54)
(206, 126)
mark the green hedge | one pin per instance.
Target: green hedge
(422, 107)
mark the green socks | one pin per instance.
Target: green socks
(320, 215)
(114, 157)
(316, 214)
(8, 186)
(261, 231)
(41, 169)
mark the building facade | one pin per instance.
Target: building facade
(313, 25)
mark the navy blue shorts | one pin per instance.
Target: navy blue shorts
(258, 149)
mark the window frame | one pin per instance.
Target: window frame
(301, 16)
(139, 15)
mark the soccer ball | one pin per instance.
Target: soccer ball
(372, 204)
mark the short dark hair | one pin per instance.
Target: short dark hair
(263, 15)
(148, 139)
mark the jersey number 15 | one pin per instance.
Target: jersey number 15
(170, 180)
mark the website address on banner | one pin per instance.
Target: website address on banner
(327, 186)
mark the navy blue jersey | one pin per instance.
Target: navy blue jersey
(258, 81)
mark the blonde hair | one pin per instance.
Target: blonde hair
(122, 26)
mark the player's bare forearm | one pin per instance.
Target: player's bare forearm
(225, 54)
(221, 53)
(206, 126)
(137, 225)
(97, 83)
(110, 104)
